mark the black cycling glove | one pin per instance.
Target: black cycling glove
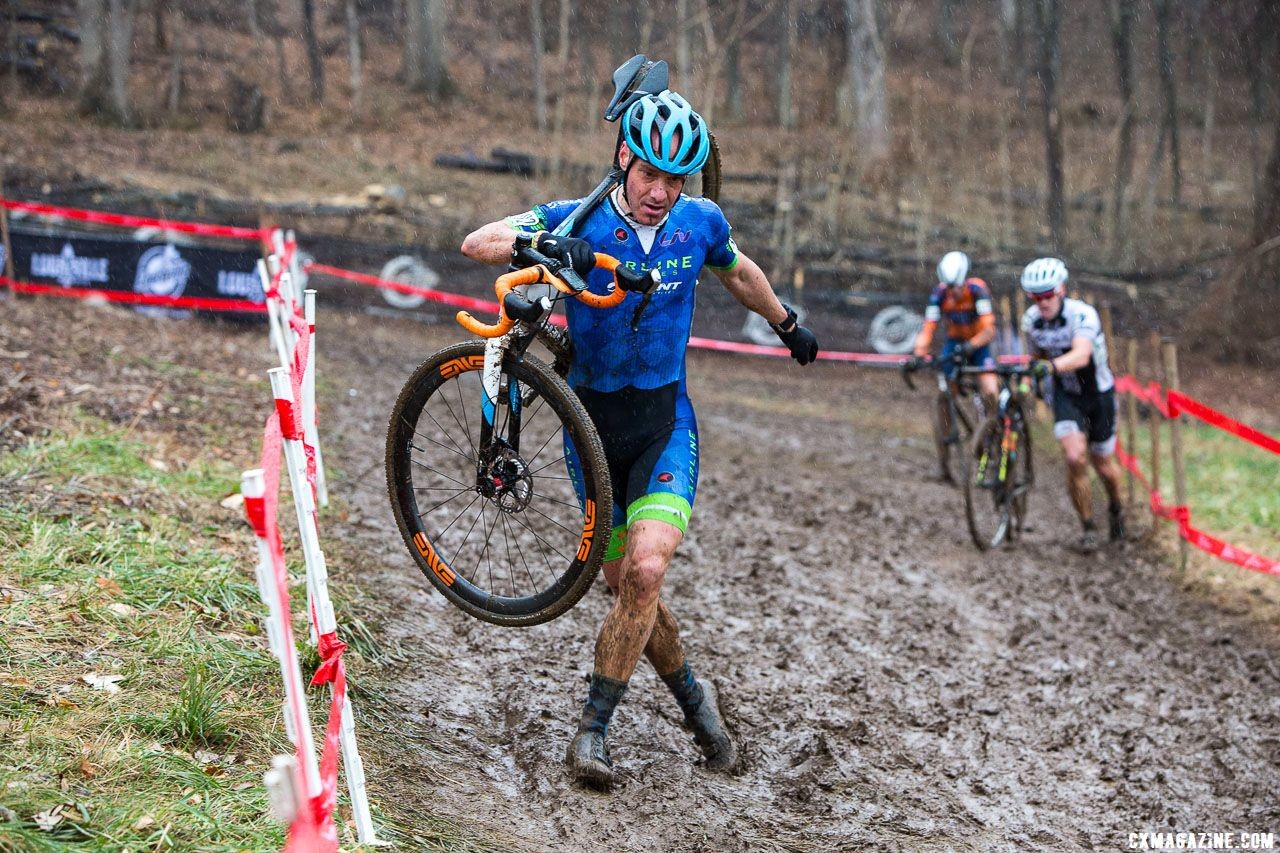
(573, 251)
(802, 342)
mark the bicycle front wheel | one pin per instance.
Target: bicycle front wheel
(986, 479)
(1022, 476)
(498, 524)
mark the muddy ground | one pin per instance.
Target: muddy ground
(889, 685)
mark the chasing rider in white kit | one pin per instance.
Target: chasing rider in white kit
(1067, 341)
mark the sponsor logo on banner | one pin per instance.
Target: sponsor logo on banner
(162, 271)
(68, 269)
(242, 285)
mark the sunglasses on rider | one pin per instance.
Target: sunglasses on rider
(1043, 297)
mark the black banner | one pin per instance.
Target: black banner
(94, 262)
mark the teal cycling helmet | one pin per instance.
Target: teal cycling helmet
(682, 139)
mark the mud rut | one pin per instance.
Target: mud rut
(889, 686)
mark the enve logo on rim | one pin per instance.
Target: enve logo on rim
(433, 560)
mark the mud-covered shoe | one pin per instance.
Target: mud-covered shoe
(1115, 523)
(1088, 541)
(710, 732)
(588, 759)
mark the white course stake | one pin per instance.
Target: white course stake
(310, 421)
(273, 309)
(280, 635)
(323, 619)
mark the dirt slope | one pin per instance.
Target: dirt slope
(888, 683)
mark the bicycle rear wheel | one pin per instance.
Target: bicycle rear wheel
(986, 486)
(950, 439)
(500, 531)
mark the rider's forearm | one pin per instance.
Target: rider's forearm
(1076, 357)
(747, 283)
(490, 244)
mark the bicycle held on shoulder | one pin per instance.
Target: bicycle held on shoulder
(496, 474)
(957, 409)
(996, 470)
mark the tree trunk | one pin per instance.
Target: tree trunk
(733, 80)
(1121, 13)
(426, 65)
(1266, 211)
(119, 53)
(787, 29)
(315, 62)
(863, 102)
(356, 60)
(539, 77)
(177, 60)
(157, 16)
(92, 18)
(1168, 86)
(944, 32)
(1048, 18)
(251, 15)
(684, 61)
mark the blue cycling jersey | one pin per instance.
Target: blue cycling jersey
(607, 355)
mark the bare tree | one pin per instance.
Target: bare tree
(786, 46)
(539, 76)
(426, 65)
(683, 78)
(120, 22)
(862, 101)
(1048, 69)
(315, 61)
(1168, 85)
(177, 60)
(92, 15)
(356, 58)
(1121, 14)
(944, 32)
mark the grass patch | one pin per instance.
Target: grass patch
(1231, 485)
(139, 704)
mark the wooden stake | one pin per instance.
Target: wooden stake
(1131, 414)
(1169, 357)
(1002, 318)
(4, 233)
(1156, 421)
(1104, 313)
(1020, 309)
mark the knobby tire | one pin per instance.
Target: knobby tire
(504, 564)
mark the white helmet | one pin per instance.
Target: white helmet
(953, 269)
(1043, 275)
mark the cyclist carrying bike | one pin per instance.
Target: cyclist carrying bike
(964, 303)
(632, 384)
(1066, 336)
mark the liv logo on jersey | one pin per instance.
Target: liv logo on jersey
(162, 272)
(68, 269)
(676, 236)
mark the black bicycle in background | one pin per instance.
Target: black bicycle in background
(957, 410)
